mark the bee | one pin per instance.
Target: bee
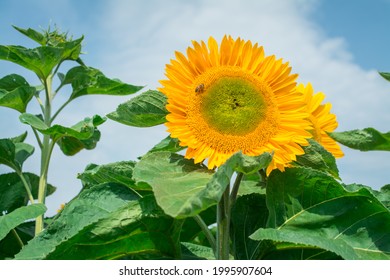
(199, 88)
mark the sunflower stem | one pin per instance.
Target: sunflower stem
(206, 231)
(223, 226)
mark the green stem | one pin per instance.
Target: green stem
(27, 186)
(60, 109)
(20, 242)
(206, 231)
(47, 147)
(223, 226)
(236, 186)
(37, 137)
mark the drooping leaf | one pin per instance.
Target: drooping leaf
(184, 189)
(12, 192)
(367, 139)
(83, 130)
(317, 157)
(145, 110)
(385, 75)
(32, 34)
(14, 154)
(88, 80)
(248, 214)
(42, 59)
(168, 144)
(18, 216)
(137, 230)
(15, 92)
(71, 145)
(311, 208)
(117, 172)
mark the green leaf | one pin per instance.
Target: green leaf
(83, 130)
(137, 230)
(19, 138)
(192, 251)
(319, 158)
(15, 92)
(191, 231)
(117, 172)
(14, 154)
(311, 208)
(90, 206)
(18, 216)
(88, 80)
(385, 75)
(248, 214)
(32, 34)
(168, 144)
(43, 59)
(184, 189)
(145, 110)
(252, 183)
(71, 145)
(367, 139)
(13, 194)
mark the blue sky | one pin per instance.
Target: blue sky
(338, 46)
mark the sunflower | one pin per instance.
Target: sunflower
(229, 98)
(322, 120)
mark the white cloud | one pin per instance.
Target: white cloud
(141, 37)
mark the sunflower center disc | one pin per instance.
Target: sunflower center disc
(233, 106)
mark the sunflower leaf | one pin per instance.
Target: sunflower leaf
(145, 110)
(14, 154)
(18, 216)
(367, 139)
(168, 144)
(309, 207)
(183, 188)
(385, 75)
(42, 59)
(317, 157)
(88, 80)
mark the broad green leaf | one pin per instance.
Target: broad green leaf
(71, 145)
(83, 130)
(385, 75)
(367, 139)
(248, 214)
(311, 208)
(90, 206)
(32, 34)
(168, 144)
(317, 157)
(88, 80)
(117, 172)
(14, 154)
(18, 216)
(13, 194)
(15, 92)
(145, 110)
(43, 59)
(191, 251)
(137, 230)
(184, 189)
(252, 183)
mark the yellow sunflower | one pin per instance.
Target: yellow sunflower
(321, 118)
(229, 98)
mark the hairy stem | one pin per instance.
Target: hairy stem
(223, 226)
